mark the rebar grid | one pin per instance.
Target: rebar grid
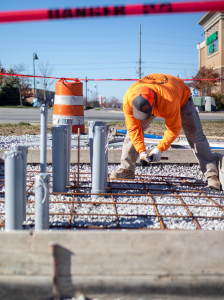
(140, 203)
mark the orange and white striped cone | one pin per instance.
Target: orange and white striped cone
(68, 103)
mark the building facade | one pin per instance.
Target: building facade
(40, 96)
(211, 50)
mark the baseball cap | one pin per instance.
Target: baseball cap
(143, 99)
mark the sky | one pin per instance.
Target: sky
(103, 47)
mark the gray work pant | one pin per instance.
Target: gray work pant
(193, 130)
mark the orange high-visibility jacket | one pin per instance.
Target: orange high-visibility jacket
(171, 94)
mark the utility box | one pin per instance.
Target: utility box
(210, 104)
(199, 102)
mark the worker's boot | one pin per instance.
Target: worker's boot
(123, 174)
(213, 182)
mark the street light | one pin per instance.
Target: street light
(34, 57)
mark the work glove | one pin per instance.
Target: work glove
(155, 155)
(144, 159)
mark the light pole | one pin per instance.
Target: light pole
(34, 57)
(96, 92)
(87, 98)
(86, 92)
(45, 86)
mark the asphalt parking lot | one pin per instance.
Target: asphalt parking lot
(17, 115)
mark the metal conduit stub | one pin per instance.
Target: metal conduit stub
(68, 143)
(59, 157)
(43, 138)
(98, 156)
(24, 149)
(14, 190)
(42, 182)
(106, 155)
(92, 125)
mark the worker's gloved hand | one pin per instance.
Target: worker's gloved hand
(155, 154)
(144, 159)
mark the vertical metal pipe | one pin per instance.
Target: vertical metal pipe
(92, 125)
(68, 146)
(42, 182)
(91, 128)
(24, 150)
(59, 157)
(43, 138)
(13, 190)
(98, 160)
(107, 127)
(34, 94)
(78, 157)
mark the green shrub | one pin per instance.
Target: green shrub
(24, 123)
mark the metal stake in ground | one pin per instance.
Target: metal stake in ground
(13, 190)
(42, 182)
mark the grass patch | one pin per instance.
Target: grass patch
(210, 128)
(24, 123)
(116, 124)
(19, 125)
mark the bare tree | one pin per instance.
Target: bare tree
(24, 84)
(46, 70)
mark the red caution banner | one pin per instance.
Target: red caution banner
(21, 75)
(104, 11)
(86, 79)
(217, 79)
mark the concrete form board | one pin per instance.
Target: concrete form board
(114, 155)
(171, 264)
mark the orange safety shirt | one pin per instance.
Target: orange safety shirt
(171, 94)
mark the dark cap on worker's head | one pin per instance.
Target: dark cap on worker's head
(143, 99)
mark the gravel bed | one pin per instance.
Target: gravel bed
(140, 213)
(33, 141)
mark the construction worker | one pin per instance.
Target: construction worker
(164, 96)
